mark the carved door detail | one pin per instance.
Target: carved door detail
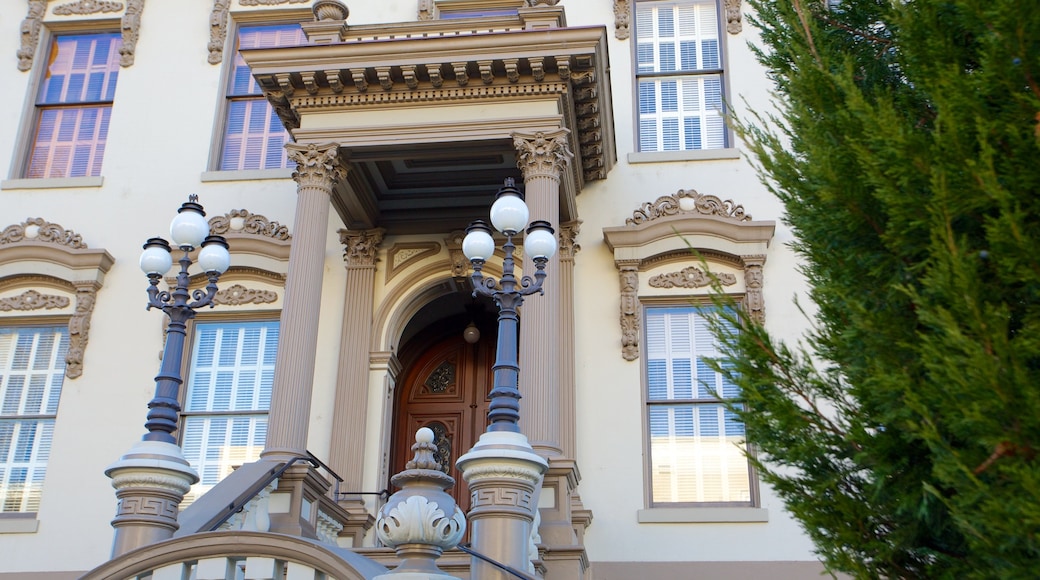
(446, 390)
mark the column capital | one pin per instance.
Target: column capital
(568, 239)
(542, 154)
(360, 246)
(317, 165)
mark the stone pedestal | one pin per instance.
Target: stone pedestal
(150, 481)
(504, 475)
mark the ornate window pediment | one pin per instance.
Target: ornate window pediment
(658, 242)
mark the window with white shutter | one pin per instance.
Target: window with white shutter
(254, 136)
(32, 369)
(73, 106)
(228, 395)
(696, 445)
(679, 74)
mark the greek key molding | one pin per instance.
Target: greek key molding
(239, 295)
(361, 247)
(688, 201)
(87, 7)
(622, 19)
(542, 154)
(630, 313)
(41, 230)
(130, 25)
(400, 256)
(501, 497)
(242, 221)
(218, 25)
(33, 300)
(30, 33)
(316, 165)
(690, 277)
(147, 506)
(733, 24)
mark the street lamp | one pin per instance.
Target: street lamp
(188, 230)
(509, 215)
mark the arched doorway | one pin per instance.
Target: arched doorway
(445, 384)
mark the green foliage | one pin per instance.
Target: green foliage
(903, 434)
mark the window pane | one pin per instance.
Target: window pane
(81, 68)
(32, 369)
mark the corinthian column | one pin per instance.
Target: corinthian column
(348, 424)
(317, 170)
(542, 157)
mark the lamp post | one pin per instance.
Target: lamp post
(503, 471)
(153, 476)
(509, 215)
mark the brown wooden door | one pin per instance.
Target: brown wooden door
(446, 390)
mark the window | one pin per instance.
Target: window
(32, 368)
(679, 76)
(74, 105)
(253, 134)
(696, 445)
(228, 396)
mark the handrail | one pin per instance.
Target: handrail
(507, 569)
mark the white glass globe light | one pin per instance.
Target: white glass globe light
(156, 259)
(471, 334)
(189, 228)
(540, 241)
(214, 256)
(478, 243)
(509, 214)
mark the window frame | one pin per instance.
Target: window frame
(681, 154)
(29, 322)
(27, 127)
(237, 20)
(262, 316)
(672, 302)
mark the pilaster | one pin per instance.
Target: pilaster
(318, 168)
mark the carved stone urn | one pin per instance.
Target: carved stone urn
(330, 10)
(421, 520)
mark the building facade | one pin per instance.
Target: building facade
(342, 156)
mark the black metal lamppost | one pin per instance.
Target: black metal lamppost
(188, 230)
(509, 215)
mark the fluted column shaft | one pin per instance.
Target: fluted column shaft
(566, 392)
(348, 424)
(542, 157)
(318, 169)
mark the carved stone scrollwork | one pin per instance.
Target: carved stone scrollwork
(542, 154)
(691, 277)
(753, 280)
(733, 25)
(40, 230)
(217, 30)
(622, 19)
(630, 324)
(361, 247)
(269, 2)
(79, 328)
(131, 27)
(30, 32)
(87, 7)
(239, 295)
(533, 3)
(688, 201)
(316, 165)
(33, 300)
(242, 221)
(568, 236)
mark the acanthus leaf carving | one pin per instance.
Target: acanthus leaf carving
(568, 239)
(688, 201)
(88, 7)
(691, 277)
(79, 328)
(238, 295)
(542, 154)
(218, 20)
(630, 323)
(40, 230)
(131, 28)
(733, 24)
(360, 247)
(33, 300)
(30, 33)
(622, 19)
(316, 165)
(242, 221)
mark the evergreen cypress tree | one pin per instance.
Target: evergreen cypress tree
(903, 433)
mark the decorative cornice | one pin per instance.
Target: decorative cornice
(361, 247)
(87, 7)
(400, 256)
(40, 230)
(542, 154)
(733, 25)
(131, 27)
(568, 239)
(687, 201)
(316, 165)
(218, 23)
(241, 221)
(238, 295)
(630, 323)
(30, 33)
(691, 277)
(622, 19)
(33, 300)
